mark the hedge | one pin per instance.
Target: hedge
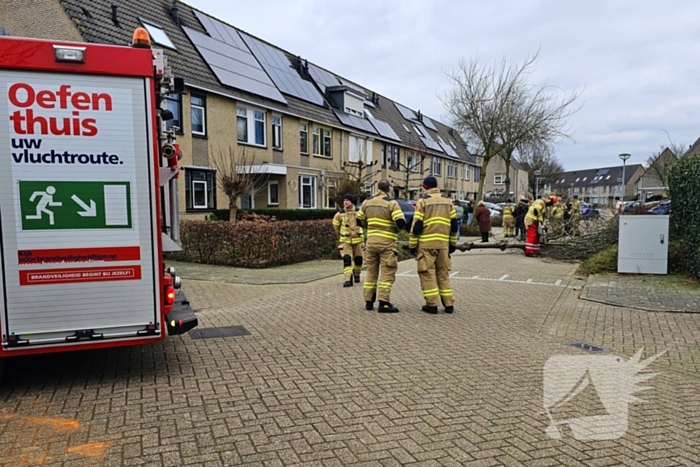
(684, 186)
(256, 244)
(281, 214)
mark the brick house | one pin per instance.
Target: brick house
(300, 122)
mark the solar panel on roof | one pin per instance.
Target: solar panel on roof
(280, 70)
(322, 78)
(429, 123)
(406, 113)
(448, 150)
(220, 31)
(234, 66)
(429, 142)
(384, 129)
(355, 122)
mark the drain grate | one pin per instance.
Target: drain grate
(587, 347)
(219, 333)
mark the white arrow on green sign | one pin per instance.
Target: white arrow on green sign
(61, 205)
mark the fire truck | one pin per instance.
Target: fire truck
(88, 197)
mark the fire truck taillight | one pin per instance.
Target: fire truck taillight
(69, 54)
(141, 39)
(169, 295)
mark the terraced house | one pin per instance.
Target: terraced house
(300, 122)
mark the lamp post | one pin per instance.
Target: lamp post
(624, 157)
(537, 182)
(572, 190)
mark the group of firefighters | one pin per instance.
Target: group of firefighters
(371, 235)
(376, 227)
(529, 218)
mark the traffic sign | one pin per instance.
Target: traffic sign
(47, 205)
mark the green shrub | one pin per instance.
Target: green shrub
(280, 214)
(256, 244)
(684, 185)
(602, 262)
(497, 221)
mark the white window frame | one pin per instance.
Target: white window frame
(270, 183)
(277, 134)
(206, 195)
(499, 179)
(368, 113)
(413, 161)
(330, 199)
(437, 166)
(418, 131)
(314, 193)
(158, 35)
(304, 128)
(321, 136)
(203, 110)
(245, 112)
(467, 169)
(393, 160)
(408, 130)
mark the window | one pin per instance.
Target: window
(198, 114)
(437, 166)
(158, 35)
(383, 155)
(368, 114)
(466, 172)
(273, 193)
(451, 172)
(303, 138)
(200, 189)
(173, 103)
(579, 178)
(585, 178)
(307, 192)
(393, 157)
(321, 142)
(368, 190)
(408, 130)
(499, 179)
(250, 130)
(477, 174)
(330, 193)
(247, 201)
(413, 162)
(277, 131)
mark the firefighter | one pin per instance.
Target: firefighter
(557, 216)
(351, 239)
(508, 219)
(535, 224)
(575, 214)
(433, 238)
(519, 213)
(383, 218)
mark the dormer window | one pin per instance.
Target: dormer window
(346, 99)
(158, 35)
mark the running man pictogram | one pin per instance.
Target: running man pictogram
(45, 201)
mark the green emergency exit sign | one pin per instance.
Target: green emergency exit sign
(47, 205)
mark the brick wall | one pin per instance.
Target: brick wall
(20, 18)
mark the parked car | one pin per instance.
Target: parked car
(588, 211)
(632, 205)
(662, 209)
(494, 208)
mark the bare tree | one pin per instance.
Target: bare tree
(497, 110)
(237, 176)
(413, 169)
(540, 157)
(659, 163)
(352, 178)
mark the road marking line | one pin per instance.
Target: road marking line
(405, 273)
(475, 277)
(504, 277)
(529, 281)
(558, 282)
(454, 273)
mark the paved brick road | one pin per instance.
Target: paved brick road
(321, 381)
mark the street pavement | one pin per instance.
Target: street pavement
(321, 381)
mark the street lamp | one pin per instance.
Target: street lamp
(537, 182)
(624, 157)
(572, 190)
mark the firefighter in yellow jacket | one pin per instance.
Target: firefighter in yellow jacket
(351, 239)
(508, 219)
(433, 238)
(382, 218)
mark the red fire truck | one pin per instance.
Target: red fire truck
(88, 197)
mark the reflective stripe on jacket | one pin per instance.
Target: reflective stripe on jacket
(380, 213)
(437, 213)
(508, 210)
(535, 213)
(345, 225)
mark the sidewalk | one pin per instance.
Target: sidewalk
(290, 274)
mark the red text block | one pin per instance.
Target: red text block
(66, 276)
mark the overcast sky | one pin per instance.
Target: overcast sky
(636, 61)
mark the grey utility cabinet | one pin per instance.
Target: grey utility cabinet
(643, 245)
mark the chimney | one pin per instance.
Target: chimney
(175, 12)
(420, 117)
(115, 20)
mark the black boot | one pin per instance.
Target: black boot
(348, 283)
(430, 309)
(386, 307)
(369, 305)
(450, 309)
(357, 279)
